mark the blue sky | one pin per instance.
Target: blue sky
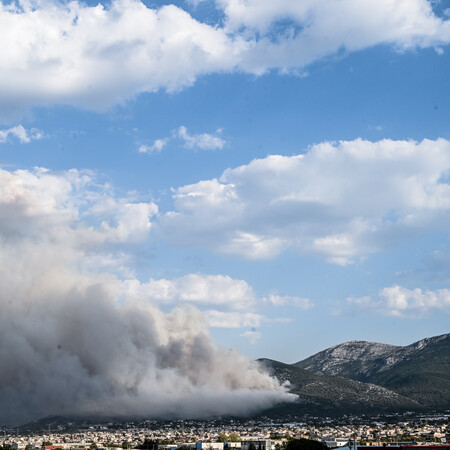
(282, 166)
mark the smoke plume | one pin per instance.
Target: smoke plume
(73, 342)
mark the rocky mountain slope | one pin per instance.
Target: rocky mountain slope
(420, 371)
(331, 395)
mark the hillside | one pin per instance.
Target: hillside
(419, 371)
(331, 395)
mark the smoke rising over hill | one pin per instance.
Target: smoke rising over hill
(72, 341)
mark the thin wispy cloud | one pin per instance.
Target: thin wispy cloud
(252, 335)
(191, 141)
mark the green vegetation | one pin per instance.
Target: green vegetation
(231, 437)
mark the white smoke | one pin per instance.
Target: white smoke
(71, 341)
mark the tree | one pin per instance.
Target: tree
(232, 437)
(148, 444)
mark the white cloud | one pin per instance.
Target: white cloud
(233, 319)
(202, 141)
(226, 302)
(123, 220)
(66, 206)
(96, 56)
(252, 245)
(211, 290)
(252, 336)
(281, 300)
(319, 28)
(24, 136)
(396, 190)
(156, 147)
(398, 301)
(389, 18)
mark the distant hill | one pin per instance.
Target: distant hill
(331, 395)
(420, 371)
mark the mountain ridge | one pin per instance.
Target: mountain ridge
(331, 395)
(419, 371)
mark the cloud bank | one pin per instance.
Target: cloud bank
(397, 190)
(98, 56)
(75, 340)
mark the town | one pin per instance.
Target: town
(218, 434)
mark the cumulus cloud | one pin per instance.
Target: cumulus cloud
(226, 302)
(202, 141)
(156, 147)
(19, 132)
(398, 301)
(97, 56)
(397, 190)
(122, 220)
(315, 29)
(42, 203)
(76, 340)
(200, 289)
(386, 20)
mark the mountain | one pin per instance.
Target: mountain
(332, 395)
(420, 371)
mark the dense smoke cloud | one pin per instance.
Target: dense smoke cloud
(73, 342)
